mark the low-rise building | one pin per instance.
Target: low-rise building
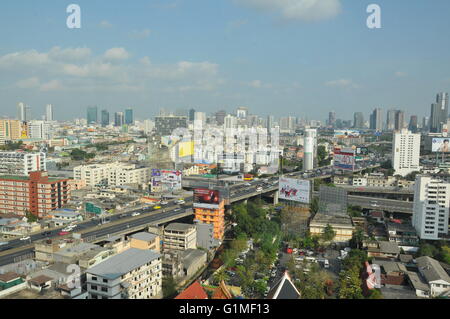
(193, 261)
(178, 236)
(132, 274)
(402, 234)
(144, 240)
(383, 249)
(435, 276)
(342, 225)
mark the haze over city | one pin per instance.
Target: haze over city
(210, 55)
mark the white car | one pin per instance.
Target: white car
(25, 238)
(181, 202)
(135, 214)
(164, 203)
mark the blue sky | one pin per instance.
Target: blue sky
(274, 56)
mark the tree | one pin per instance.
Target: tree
(314, 205)
(445, 254)
(427, 250)
(328, 233)
(30, 217)
(375, 294)
(411, 176)
(220, 276)
(357, 238)
(169, 287)
(350, 284)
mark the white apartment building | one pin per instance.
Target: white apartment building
(40, 129)
(113, 174)
(178, 236)
(310, 146)
(21, 163)
(431, 207)
(405, 152)
(132, 274)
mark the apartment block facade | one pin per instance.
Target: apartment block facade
(21, 163)
(37, 193)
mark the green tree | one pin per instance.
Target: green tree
(220, 276)
(314, 206)
(428, 250)
(328, 233)
(30, 217)
(357, 239)
(169, 287)
(375, 294)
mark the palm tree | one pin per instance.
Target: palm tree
(220, 276)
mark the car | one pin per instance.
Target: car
(25, 238)
(46, 233)
(123, 215)
(248, 184)
(259, 189)
(3, 243)
(63, 233)
(181, 202)
(135, 214)
(157, 207)
(164, 203)
(67, 229)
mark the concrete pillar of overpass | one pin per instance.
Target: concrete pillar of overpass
(276, 196)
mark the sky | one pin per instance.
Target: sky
(299, 58)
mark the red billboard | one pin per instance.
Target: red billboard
(206, 198)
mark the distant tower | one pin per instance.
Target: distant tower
(129, 119)
(92, 114)
(310, 149)
(22, 112)
(49, 113)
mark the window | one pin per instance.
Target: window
(94, 278)
(104, 289)
(93, 287)
(105, 280)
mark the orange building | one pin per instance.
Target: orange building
(215, 216)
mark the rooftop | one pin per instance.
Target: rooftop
(333, 220)
(284, 289)
(432, 269)
(123, 263)
(144, 236)
(194, 291)
(9, 276)
(179, 227)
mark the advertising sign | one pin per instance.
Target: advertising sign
(344, 160)
(206, 198)
(169, 180)
(440, 145)
(296, 190)
(346, 134)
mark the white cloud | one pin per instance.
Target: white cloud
(342, 83)
(140, 34)
(29, 83)
(105, 24)
(116, 54)
(304, 10)
(69, 54)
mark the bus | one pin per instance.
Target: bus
(248, 177)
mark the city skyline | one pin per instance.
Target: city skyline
(163, 59)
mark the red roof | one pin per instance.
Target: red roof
(194, 291)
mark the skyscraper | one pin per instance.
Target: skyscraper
(310, 149)
(220, 117)
(439, 113)
(399, 120)
(49, 113)
(358, 120)
(332, 118)
(405, 152)
(413, 124)
(242, 112)
(22, 112)
(390, 120)
(119, 119)
(105, 118)
(376, 120)
(191, 115)
(129, 119)
(92, 113)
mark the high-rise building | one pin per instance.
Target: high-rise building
(376, 120)
(21, 163)
(241, 112)
(10, 130)
(332, 118)
(439, 113)
(40, 130)
(390, 120)
(22, 111)
(431, 207)
(92, 113)
(405, 152)
(165, 125)
(413, 124)
(191, 115)
(358, 120)
(35, 193)
(399, 120)
(310, 148)
(425, 123)
(149, 125)
(220, 117)
(270, 122)
(200, 119)
(230, 122)
(105, 118)
(129, 119)
(49, 112)
(119, 119)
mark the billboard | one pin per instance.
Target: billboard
(296, 190)
(344, 159)
(206, 198)
(440, 145)
(346, 134)
(168, 180)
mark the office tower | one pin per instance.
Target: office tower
(405, 152)
(242, 112)
(105, 118)
(49, 112)
(252, 120)
(22, 111)
(431, 207)
(220, 117)
(413, 124)
(399, 120)
(200, 119)
(332, 118)
(270, 122)
(358, 120)
(230, 122)
(149, 125)
(119, 119)
(92, 114)
(439, 113)
(40, 130)
(165, 125)
(288, 123)
(425, 123)
(21, 163)
(129, 119)
(376, 120)
(390, 121)
(309, 149)
(191, 115)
